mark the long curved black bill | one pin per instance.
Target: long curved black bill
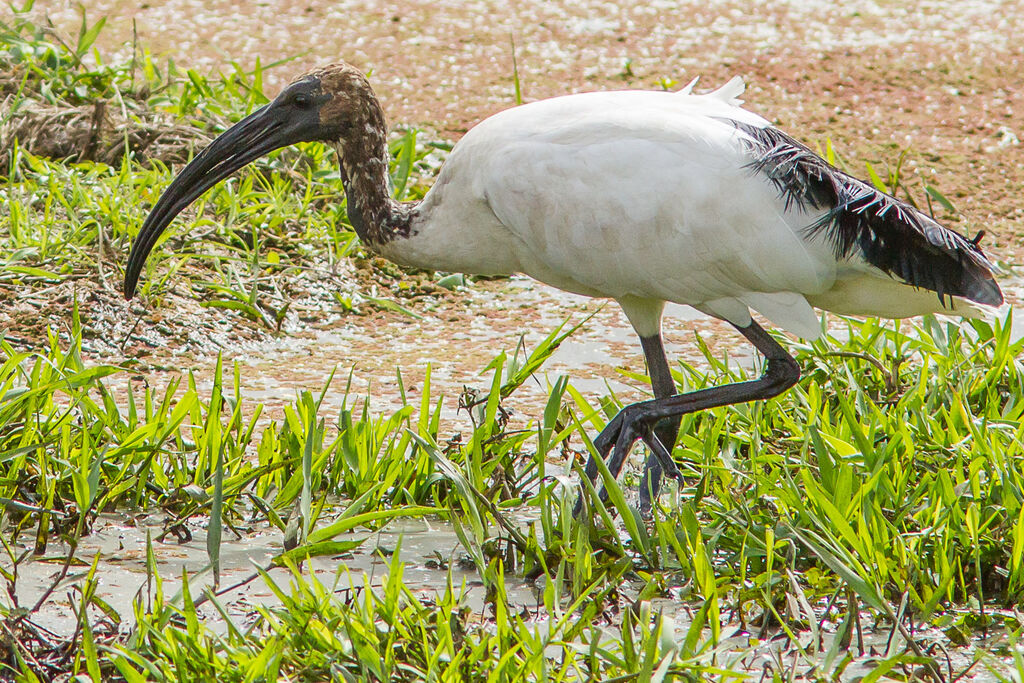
(254, 136)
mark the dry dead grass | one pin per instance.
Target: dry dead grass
(100, 130)
(94, 132)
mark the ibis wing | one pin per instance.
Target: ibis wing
(651, 202)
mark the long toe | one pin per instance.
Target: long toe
(603, 446)
(650, 485)
(659, 463)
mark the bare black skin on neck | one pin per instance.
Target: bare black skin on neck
(375, 216)
(363, 152)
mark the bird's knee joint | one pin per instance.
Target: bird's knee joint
(782, 372)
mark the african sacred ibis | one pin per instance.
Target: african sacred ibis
(642, 197)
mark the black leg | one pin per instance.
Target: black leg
(645, 419)
(667, 430)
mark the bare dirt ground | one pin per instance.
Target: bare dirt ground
(939, 79)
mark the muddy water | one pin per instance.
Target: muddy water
(428, 549)
(456, 339)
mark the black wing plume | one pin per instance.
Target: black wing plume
(891, 235)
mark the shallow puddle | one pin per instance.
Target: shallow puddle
(428, 548)
(430, 552)
(456, 339)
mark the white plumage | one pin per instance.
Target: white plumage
(643, 197)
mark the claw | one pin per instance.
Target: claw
(609, 435)
(659, 451)
(628, 434)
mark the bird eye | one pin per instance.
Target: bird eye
(302, 100)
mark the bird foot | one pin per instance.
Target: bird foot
(614, 442)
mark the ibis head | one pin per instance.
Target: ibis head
(324, 105)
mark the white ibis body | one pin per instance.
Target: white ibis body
(642, 197)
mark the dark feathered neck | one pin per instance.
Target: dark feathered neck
(363, 153)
